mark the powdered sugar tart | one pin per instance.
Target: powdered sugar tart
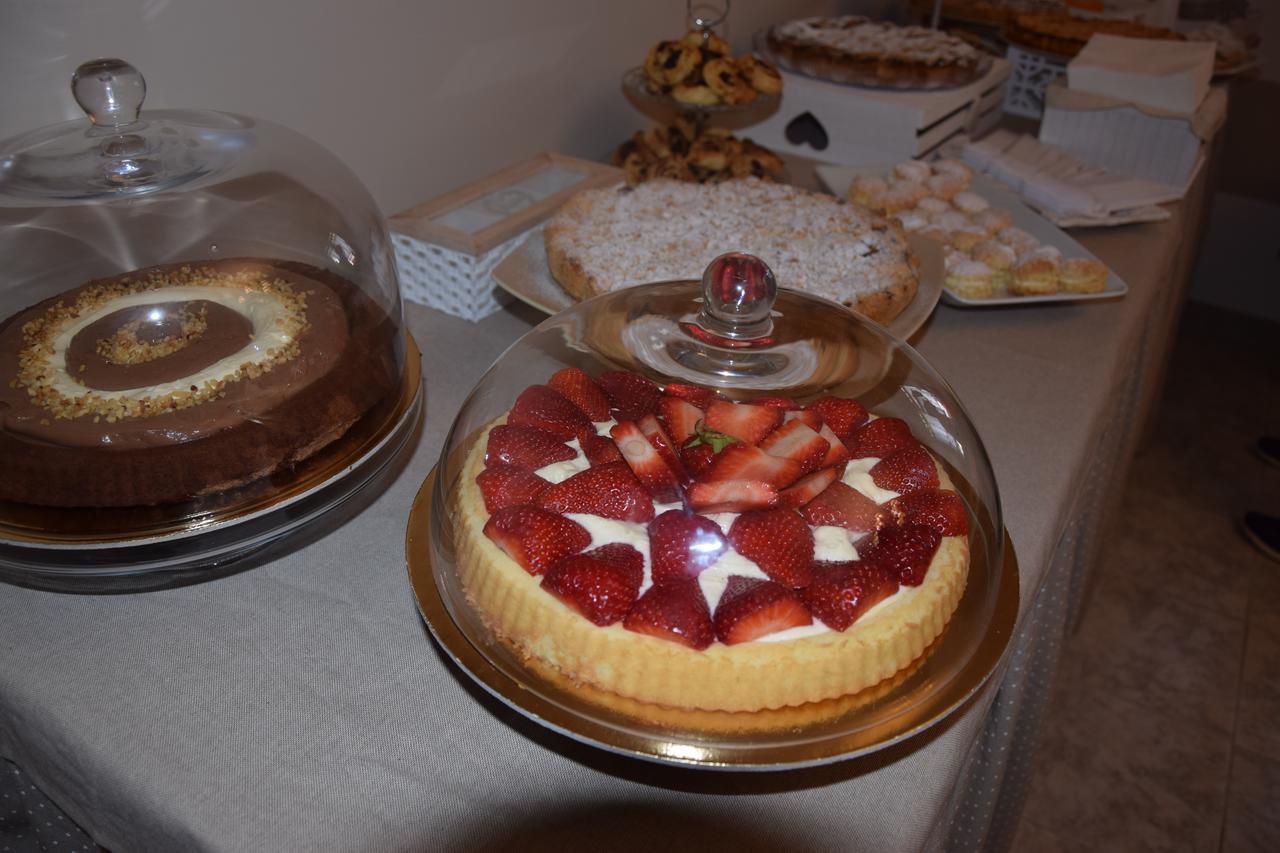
(663, 230)
(854, 49)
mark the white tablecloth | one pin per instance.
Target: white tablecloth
(302, 704)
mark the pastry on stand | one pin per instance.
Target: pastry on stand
(699, 91)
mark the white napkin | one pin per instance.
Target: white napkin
(1053, 180)
(1167, 75)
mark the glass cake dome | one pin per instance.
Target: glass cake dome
(201, 341)
(739, 335)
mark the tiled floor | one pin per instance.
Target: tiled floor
(1164, 732)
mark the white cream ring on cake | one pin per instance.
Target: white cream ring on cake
(276, 312)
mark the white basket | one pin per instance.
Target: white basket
(451, 281)
(1030, 75)
(447, 248)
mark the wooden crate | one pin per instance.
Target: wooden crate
(854, 126)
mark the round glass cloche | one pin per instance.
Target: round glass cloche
(201, 340)
(719, 523)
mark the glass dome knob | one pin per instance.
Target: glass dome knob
(110, 91)
(738, 292)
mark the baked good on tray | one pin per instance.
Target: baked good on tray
(699, 70)
(175, 382)
(1062, 34)
(854, 49)
(682, 152)
(986, 255)
(665, 230)
(985, 11)
(676, 548)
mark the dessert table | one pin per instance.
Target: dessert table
(302, 703)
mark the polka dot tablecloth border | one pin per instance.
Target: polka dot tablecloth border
(30, 822)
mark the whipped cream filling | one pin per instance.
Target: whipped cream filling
(833, 544)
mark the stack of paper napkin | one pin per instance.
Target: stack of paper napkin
(1052, 180)
(1167, 75)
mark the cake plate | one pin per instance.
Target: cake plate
(526, 274)
(959, 663)
(82, 550)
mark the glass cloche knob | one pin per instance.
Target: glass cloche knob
(110, 91)
(738, 291)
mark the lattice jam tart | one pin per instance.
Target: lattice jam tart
(674, 547)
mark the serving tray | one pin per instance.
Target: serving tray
(838, 178)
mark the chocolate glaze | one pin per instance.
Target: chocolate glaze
(321, 346)
(250, 441)
(227, 332)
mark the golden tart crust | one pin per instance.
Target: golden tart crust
(746, 677)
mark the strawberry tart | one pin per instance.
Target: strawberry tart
(676, 548)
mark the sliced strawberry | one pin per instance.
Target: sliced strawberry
(750, 608)
(601, 584)
(599, 450)
(524, 447)
(742, 462)
(881, 437)
(785, 404)
(905, 552)
(646, 463)
(535, 538)
(697, 460)
(837, 453)
(544, 408)
(631, 396)
(581, 390)
(812, 420)
(942, 510)
(609, 491)
(907, 470)
(841, 505)
(808, 488)
(841, 592)
(743, 421)
(699, 397)
(799, 443)
(507, 485)
(674, 611)
(842, 415)
(732, 496)
(683, 545)
(778, 541)
(681, 418)
(662, 443)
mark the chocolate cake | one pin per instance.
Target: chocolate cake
(180, 381)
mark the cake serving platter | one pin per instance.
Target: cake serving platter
(967, 654)
(861, 81)
(137, 548)
(526, 275)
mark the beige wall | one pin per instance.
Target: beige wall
(417, 97)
